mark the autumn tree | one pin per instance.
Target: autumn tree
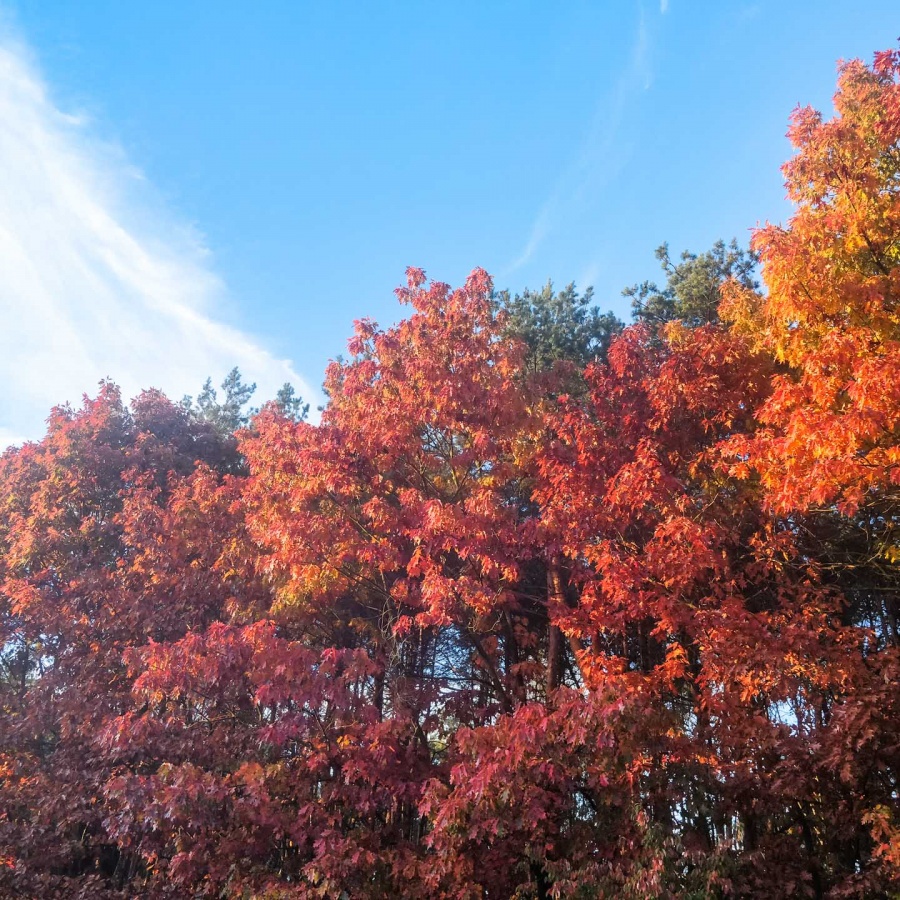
(109, 528)
(827, 451)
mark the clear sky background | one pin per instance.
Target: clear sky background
(188, 185)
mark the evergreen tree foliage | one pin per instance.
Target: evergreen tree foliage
(290, 404)
(230, 413)
(692, 290)
(559, 325)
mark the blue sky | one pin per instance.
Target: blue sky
(210, 183)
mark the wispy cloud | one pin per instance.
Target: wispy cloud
(663, 6)
(598, 158)
(96, 280)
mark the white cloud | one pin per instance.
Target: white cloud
(601, 154)
(96, 280)
(663, 6)
(589, 275)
